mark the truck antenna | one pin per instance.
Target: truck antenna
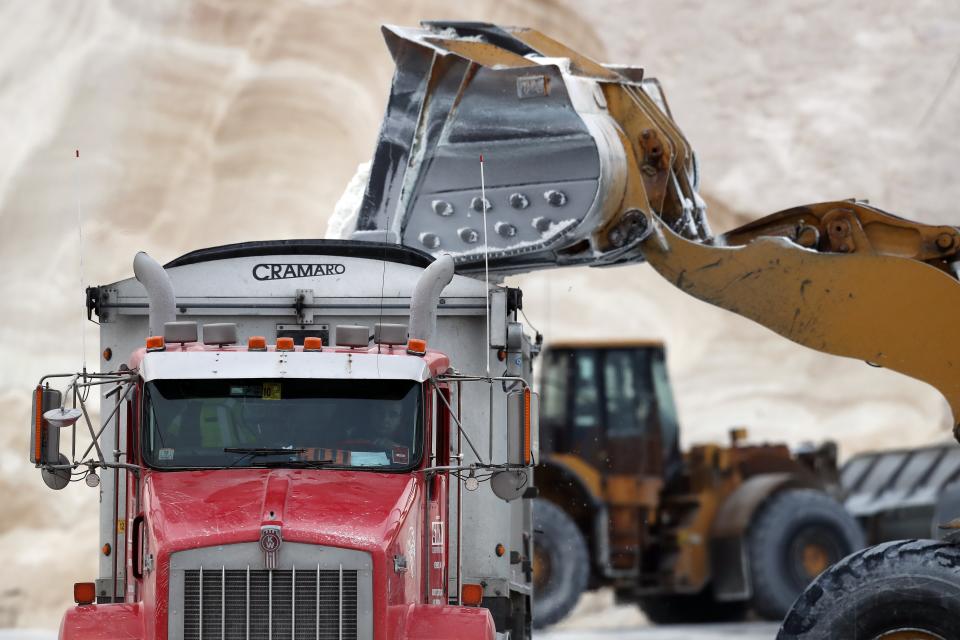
(486, 261)
(83, 325)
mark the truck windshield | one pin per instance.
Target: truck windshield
(285, 423)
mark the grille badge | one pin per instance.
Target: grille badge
(271, 537)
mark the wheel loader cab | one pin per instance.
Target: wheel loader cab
(611, 405)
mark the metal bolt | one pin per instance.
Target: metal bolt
(944, 241)
(519, 201)
(542, 224)
(430, 240)
(477, 204)
(442, 208)
(505, 229)
(555, 198)
(468, 235)
(617, 237)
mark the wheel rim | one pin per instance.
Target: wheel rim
(909, 634)
(811, 551)
(815, 559)
(541, 568)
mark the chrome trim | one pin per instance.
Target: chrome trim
(337, 564)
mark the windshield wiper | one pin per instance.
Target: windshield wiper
(306, 464)
(252, 452)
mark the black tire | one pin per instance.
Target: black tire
(691, 609)
(906, 585)
(561, 564)
(794, 537)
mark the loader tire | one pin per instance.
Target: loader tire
(691, 609)
(901, 589)
(561, 566)
(794, 537)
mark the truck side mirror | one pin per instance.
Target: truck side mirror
(44, 437)
(522, 427)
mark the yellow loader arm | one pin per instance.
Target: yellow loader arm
(585, 166)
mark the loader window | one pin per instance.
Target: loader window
(586, 390)
(627, 387)
(375, 424)
(554, 397)
(669, 431)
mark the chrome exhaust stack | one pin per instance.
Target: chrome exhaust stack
(155, 280)
(426, 297)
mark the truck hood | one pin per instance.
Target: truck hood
(352, 509)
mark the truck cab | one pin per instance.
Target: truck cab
(302, 457)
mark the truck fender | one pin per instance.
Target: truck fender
(729, 558)
(432, 622)
(103, 622)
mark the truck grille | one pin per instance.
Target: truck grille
(262, 604)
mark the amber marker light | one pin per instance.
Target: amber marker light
(256, 343)
(527, 426)
(312, 344)
(84, 593)
(284, 344)
(38, 425)
(417, 347)
(155, 343)
(471, 595)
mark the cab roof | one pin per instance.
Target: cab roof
(195, 361)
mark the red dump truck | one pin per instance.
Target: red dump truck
(315, 454)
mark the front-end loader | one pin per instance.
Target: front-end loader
(701, 535)
(586, 166)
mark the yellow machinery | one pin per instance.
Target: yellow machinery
(585, 166)
(697, 536)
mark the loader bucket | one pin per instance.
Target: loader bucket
(556, 160)
(903, 493)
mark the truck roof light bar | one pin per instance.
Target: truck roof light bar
(155, 343)
(285, 344)
(351, 335)
(256, 343)
(220, 333)
(312, 343)
(417, 347)
(182, 331)
(390, 334)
